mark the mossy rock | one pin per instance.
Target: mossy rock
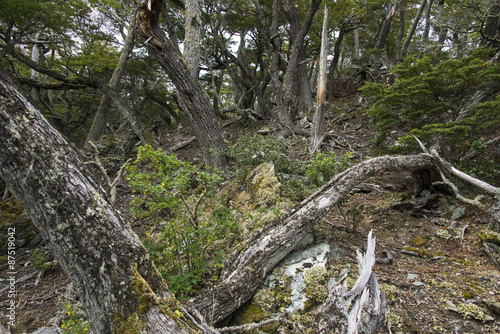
(13, 215)
(489, 236)
(262, 188)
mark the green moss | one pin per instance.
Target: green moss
(143, 298)
(471, 311)
(391, 291)
(489, 236)
(316, 290)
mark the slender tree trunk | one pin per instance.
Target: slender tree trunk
(192, 39)
(119, 286)
(302, 89)
(287, 88)
(35, 56)
(407, 41)
(319, 115)
(100, 117)
(333, 65)
(193, 100)
(399, 40)
(442, 30)
(386, 27)
(356, 42)
(491, 31)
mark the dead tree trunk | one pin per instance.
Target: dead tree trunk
(119, 286)
(319, 115)
(345, 312)
(243, 275)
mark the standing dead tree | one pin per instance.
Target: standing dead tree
(319, 115)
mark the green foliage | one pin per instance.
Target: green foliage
(324, 166)
(431, 98)
(254, 149)
(38, 258)
(74, 322)
(184, 244)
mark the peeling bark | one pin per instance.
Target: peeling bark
(109, 266)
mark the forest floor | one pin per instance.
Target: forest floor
(440, 281)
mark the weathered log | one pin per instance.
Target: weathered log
(118, 284)
(243, 275)
(345, 312)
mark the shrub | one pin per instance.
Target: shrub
(183, 243)
(324, 166)
(433, 98)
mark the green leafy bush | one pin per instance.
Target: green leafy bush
(324, 166)
(74, 323)
(433, 98)
(188, 224)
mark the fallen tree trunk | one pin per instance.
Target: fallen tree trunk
(244, 274)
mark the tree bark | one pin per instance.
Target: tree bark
(119, 286)
(244, 274)
(401, 33)
(408, 38)
(319, 115)
(386, 27)
(99, 122)
(302, 89)
(192, 39)
(287, 88)
(193, 100)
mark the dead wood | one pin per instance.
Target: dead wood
(363, 308)
(245, 272)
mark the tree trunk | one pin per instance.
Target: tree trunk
(244, 274)
(119, 286)
(319, 115)
(407, 41)
(399, 40)
(333, 65)
(302, 90)
(491, 31)
(386, 27)
(100, 118)
(287, 88)
(193, 100)
(192, 39)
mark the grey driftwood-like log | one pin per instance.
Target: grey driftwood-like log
(360, 310)
(243, 275)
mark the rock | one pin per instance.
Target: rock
(294, 268)
(47, 330)
(457, 212)
(412, 277)
(419, 241)
(418, 283)
(262, 188)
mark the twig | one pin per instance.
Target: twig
(249, 327)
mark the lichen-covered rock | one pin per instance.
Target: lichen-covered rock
(262, 188)
(316, 284)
